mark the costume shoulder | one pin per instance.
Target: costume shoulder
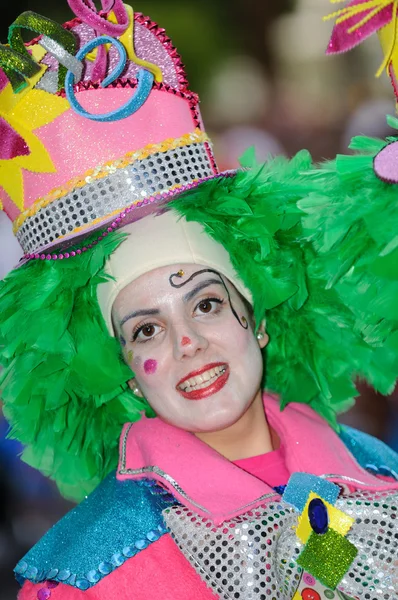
(113, 524)
(372, 454)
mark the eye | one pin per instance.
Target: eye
(208, 305)
(146, 332)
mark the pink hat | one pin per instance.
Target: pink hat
(98, 126)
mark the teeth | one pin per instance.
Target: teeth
(203, 380)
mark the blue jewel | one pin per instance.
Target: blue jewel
(129, 551)
(93, 576)
(82, 584)
(117, 559)
(52, 574)
(72, 580)
(152, 536)
(31, 573)
(318, 516)
(141, 544)
(105, 568)
(21, 567)
(64, 574)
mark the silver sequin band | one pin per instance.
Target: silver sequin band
(100, 198)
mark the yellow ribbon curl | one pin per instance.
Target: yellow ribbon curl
(374, 6)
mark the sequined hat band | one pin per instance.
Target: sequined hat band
(102, 194)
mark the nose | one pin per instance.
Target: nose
(188, 341)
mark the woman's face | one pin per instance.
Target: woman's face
(186, 334)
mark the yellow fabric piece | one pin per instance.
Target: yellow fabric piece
(338, 520)
(127, 39)
(25, 112)
(388, 40)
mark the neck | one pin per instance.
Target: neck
(249, 436)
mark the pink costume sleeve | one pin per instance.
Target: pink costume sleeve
(160, 572)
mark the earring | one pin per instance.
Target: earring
(136, 390)
(260, 335)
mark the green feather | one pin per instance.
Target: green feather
(317, 247)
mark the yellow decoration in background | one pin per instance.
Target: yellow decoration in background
(338, 520)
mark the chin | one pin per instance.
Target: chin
(216, 423)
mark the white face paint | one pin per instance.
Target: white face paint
(198, 364)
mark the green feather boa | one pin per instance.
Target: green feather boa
(317, 247)
(64, 381)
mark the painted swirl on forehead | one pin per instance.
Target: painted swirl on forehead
(180, 274)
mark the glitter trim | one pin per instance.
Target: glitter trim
(351, 479)
(118, 222)
(176, 487)
(110, 167)
(160, 33)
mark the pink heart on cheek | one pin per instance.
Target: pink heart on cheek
(385, 163)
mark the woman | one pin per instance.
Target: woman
(150, 285)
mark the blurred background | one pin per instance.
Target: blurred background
(264, 80)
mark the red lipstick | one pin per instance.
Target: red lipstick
(210, 389)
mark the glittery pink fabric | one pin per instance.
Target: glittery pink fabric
(12, 144)
(342, 41)
(77, 144)
(385, 163)
(3, 79)
(86, 10)
(147, 46)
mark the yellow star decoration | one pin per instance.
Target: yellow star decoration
(338, 520)
(25, 112)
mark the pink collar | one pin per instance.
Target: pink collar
(211, 485)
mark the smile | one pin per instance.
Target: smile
(204, 382)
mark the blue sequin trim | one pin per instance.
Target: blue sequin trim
(49, 560)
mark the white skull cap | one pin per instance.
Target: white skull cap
(157, 241)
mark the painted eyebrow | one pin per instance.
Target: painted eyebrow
(139, 313)
(199, 288)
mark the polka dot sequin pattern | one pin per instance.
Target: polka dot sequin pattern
(254, 556)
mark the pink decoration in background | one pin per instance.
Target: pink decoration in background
(385, 163)
(150, 366)
(342, 40)
(12, 144)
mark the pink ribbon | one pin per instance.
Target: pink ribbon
(342, 40)
(87, 12)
